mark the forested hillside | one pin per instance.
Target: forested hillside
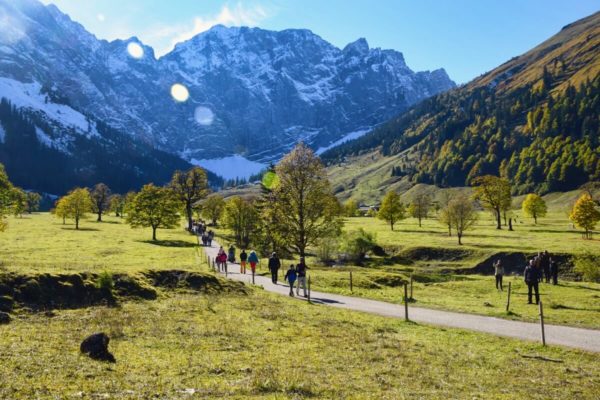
(38, 157)
(535, 120)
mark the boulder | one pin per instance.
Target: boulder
(4, 318)
(96, 346)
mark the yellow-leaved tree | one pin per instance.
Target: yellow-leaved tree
(534, 206)
(585, 214)
(75, 205)
(391, 210)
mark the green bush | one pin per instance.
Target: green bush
(327, 249)
(356, 244)
(588, 265)
(105, 281)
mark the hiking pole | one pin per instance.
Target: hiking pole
(406, 302)
(508, 299)
(542, 324)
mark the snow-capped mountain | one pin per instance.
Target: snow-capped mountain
(253, 93)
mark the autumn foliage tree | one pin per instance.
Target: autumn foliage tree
(462, 215)
(33, 202)
(305, 208)
(154, 207)
(420, 206)
(494, 194)
(391, 210)
(585, 214)
(75, 205)
(242, 218)
(212, 208)
(189, 188)
(534, 206)
(5, 197)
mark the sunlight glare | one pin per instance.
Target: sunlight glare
(180, 92)
(204, 116)
(135, 50)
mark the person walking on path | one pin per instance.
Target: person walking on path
(274, 265)
(211, 236)
(301, 269)
(532, 279)
(253, 260)
(498, 273)
(231, 254)
(554, 271)
(291, 276)
(243, 259)
(221, 258)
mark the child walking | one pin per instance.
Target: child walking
(291, 276)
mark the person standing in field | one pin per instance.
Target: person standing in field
(243, 259)
(532, 279)
(274, 265)
(545, 262)
(554, 271)
(498, 273)
(301, 270)
(253, 260)
(290, 276)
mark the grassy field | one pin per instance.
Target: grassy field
(264, 346)
(41, 243)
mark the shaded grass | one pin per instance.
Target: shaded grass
(268, 347)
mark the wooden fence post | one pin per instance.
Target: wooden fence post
(309, 288)
(253, 276)
(351, 281)
(542, 324)
(411, 286)
(508, 299)
(406, 302)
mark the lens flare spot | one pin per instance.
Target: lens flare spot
(204, 116)
(135, 50)
(270, 180)
(180, 92)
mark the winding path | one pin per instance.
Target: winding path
(584, 339)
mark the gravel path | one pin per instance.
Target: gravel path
(585, 339)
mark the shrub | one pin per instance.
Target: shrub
(356, 244)
(105, 282)
(588, 265)
(327, 249)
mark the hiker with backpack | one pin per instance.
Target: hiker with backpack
(253, 260)
(221, 259)
(301, 270)
(243, 260)
(291, 276)
(274, 265)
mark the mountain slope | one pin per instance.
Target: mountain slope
(253, 92)
(535, 119)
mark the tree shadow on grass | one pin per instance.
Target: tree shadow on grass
(169, 243)
(110, 222)
(80, 229)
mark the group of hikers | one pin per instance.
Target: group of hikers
(539, 268)
(200, 229)
(295, 275)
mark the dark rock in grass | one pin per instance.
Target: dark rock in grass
(6, 303)
(96, 346)
(4, 318)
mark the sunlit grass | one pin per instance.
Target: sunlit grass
(264, 346)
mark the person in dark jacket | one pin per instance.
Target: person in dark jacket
(554, 271)
(231, 254)
(532, 279)
(301, 270)
(274, 265)
(243, 260)
(545, 263)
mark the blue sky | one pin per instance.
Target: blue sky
(466, 37)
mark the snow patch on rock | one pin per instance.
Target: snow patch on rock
(346, 138)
